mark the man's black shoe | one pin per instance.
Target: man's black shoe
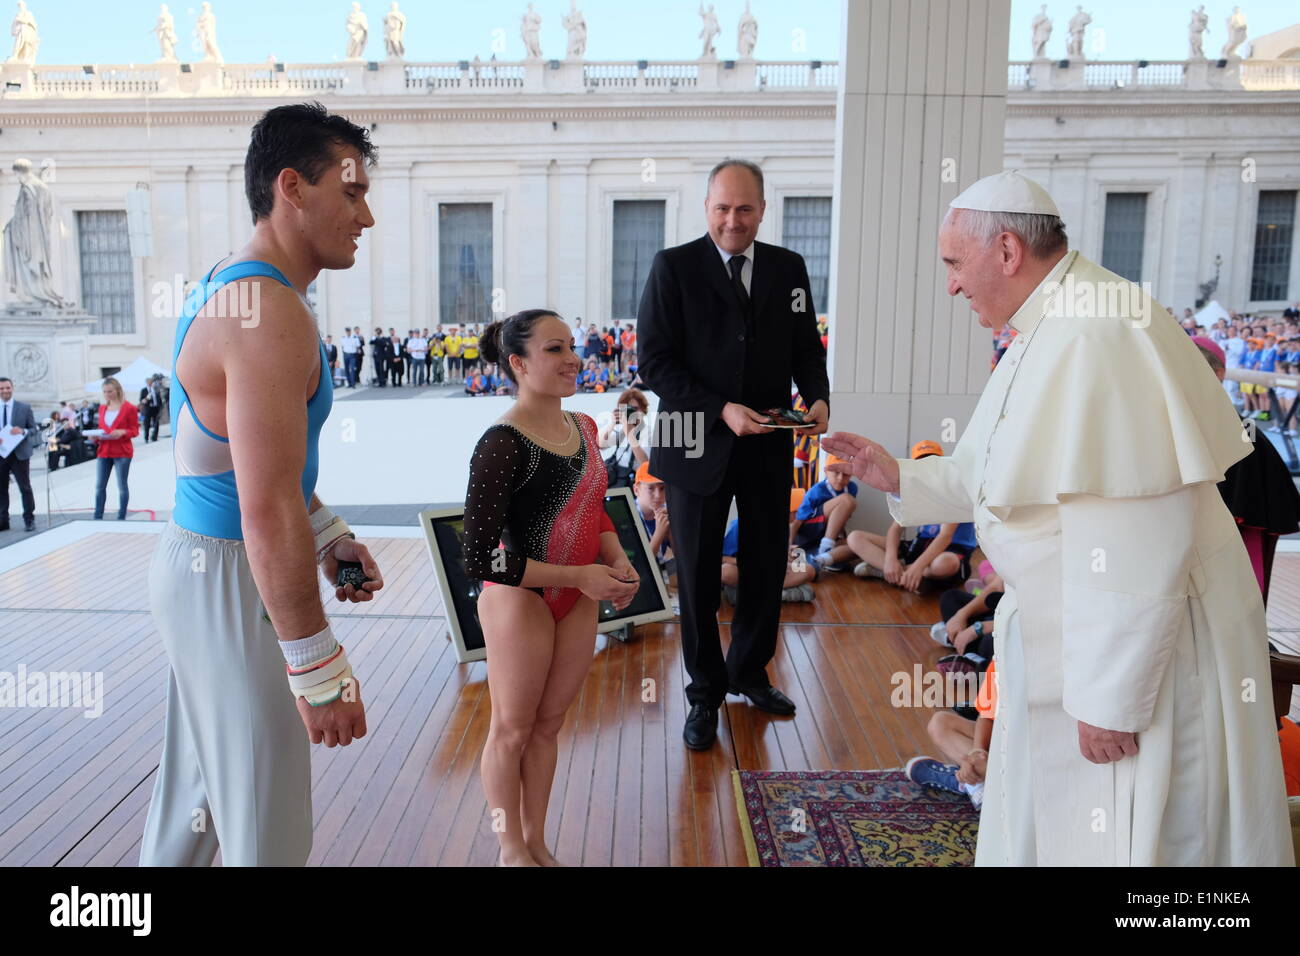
(5, 526)
(768, 699)
(29, 524)
(701, 727)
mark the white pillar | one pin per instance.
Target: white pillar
(171, 265)
(390, 202)
(920, 116)
(568, 240)
(1191, 189)
(212, 193)
(527, 261)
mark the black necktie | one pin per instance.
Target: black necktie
(6, 424)
(736, 264)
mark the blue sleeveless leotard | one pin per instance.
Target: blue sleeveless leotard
(207, 500)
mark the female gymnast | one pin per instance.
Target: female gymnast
(535, 526)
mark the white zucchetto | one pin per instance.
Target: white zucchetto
(1006, 192)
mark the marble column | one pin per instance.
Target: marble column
(212, 194)
(920, 116)
(172, 264)
(568, 240)
(527, 274)
(390, 203)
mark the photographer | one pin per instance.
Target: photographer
(619, 444)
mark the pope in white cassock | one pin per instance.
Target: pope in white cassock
(1135, 724)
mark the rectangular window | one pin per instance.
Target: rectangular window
(1274, 226)
(464, 263)
(806, 228)
(107, 282)
(638, 235)
(1124, 234)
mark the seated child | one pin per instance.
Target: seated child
(818, 526)
(967, 625)
(939, 554)
(799, 572)
(961, 740)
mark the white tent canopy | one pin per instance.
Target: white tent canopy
(133, 378)
(1211, 314)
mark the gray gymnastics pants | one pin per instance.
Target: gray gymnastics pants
(236, 762)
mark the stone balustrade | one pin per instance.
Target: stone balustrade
(395, 77)
(1255, 75)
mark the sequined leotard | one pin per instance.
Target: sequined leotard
(534, 503)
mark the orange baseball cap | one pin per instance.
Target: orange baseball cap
(926, 447)
(834, 460)
(643, 472)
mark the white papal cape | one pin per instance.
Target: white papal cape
(1089, 467)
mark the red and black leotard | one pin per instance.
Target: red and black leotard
(525, 501)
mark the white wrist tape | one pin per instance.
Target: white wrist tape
(331, 533)
(329, 691)
(320, 518)
(330, 671)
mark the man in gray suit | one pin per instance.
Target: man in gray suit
(16, 419)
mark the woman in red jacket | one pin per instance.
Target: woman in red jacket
(120, 423)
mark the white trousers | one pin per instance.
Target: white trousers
(236, 762)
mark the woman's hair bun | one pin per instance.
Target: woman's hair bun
(489, 342)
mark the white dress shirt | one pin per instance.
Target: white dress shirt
(746, 271)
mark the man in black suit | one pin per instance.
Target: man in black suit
(16, 418)
(332, 357)
(151, 406)
(381, 350)
(724, 324)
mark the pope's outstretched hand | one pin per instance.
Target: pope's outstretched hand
(863, 459)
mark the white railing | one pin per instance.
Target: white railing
(129, 81)
(1045, 75)
(390, 77)
(683, 75)
(100, 81)
(1161, 73)
(424, 76)
(790, 75)
(629, 76)
(1112, 76)
(246, 78)
(1271, 75)
(468, 76)
(611, 75)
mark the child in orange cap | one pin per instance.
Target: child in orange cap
(817, 528)
(938, 553)
(652, 505)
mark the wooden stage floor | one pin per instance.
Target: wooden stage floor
(74, 791)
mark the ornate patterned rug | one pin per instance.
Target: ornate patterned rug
(851, 818)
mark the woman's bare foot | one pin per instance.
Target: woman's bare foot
(521, 857)
(544, 857)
